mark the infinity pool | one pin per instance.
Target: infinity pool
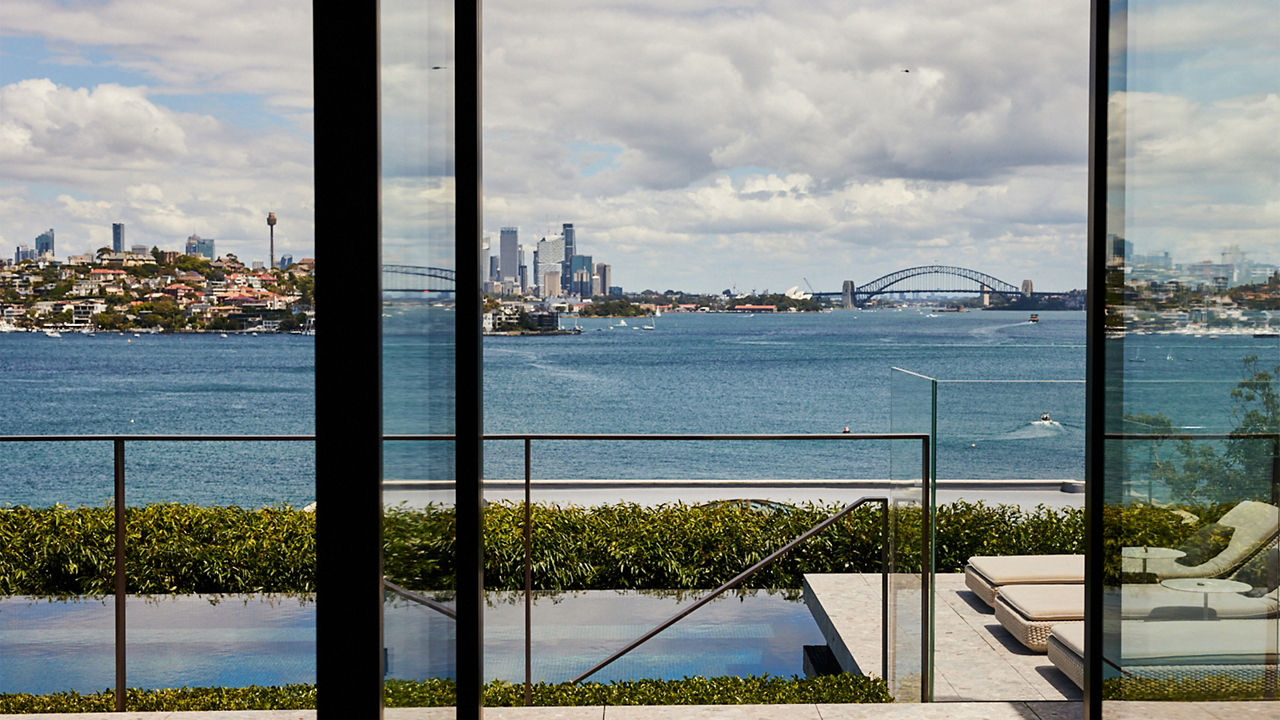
(270, 640)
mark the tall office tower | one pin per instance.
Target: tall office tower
(44, 242)
(595, 286)
(117, 237)
(139, 250)
(578, 263)
(549, 284)
(549, 258)
(581, 284)
(507, 248)
(605, 271)
(523, 279)
(494, 275)
(23, 252)
(285, 261)
(201, 246)
(570, 242)
(570, 249)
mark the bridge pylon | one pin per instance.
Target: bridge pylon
(846, 294)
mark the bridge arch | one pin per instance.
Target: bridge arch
(859, 295)
(417, 278)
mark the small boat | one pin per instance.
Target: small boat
(1034, 318)
(1044, 417)
(222, 334)
(52, 333)
(622, 322)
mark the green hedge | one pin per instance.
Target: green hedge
(682, 547)
(170, 548)
(190, 549)
(443, 693)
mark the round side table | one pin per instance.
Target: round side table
(1145, 553)
(1207, 587)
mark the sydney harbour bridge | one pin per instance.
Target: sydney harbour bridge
(921, 280)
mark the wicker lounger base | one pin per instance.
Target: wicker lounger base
(979, 585)
(1065, 659)
(1032, 633)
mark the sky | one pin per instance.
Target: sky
(748, 144)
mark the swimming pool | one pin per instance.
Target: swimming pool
(270, 640)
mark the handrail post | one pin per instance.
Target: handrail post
(926, 575)
(118, 452)
(528, 582)
(884, 587)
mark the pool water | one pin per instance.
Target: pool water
(53, 646)
(751, 633)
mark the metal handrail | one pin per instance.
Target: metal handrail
(118, 513)
(420, 599)
(773, 557)
(118, 441)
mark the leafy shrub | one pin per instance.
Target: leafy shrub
(174, 548)
(169, 548)
(844, 688)
(285, 697)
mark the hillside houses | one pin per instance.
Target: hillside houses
(190, 293)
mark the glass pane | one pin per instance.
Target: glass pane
(1192, 417)
(913, 410)
(418, 350)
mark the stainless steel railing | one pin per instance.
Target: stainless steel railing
(926, 608)
(119, 585)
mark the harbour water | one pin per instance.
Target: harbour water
(693, 373)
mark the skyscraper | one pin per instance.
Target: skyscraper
(605, 272)
(197, 245)
(549, 259)
(509, 264)
(117, 237)
(570, 242)
(570, 249)
(580, 264)
(44, 243)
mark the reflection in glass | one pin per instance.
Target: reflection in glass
(418, 324)
(1191, 576)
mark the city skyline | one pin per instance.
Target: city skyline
(756, 144)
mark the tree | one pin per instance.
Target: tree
(1202, 470)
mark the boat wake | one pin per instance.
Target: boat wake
(1036, 429)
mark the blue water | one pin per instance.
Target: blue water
(235, 641)
(158, 384)
(806, 373)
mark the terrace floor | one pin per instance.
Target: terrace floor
(975, 658)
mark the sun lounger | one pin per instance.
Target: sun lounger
(1029, 612)
(985, 574)
(1210, 654)
(1218, 548)
(1065, 648)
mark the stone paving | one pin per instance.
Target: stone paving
(976, 659)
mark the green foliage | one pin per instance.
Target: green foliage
(1202, 689)
(844, 688)
(617, 307)
(1200, 470)
(285, 697)
(685, 547)
(443, 693)
(170, 548)
(1138, 525)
